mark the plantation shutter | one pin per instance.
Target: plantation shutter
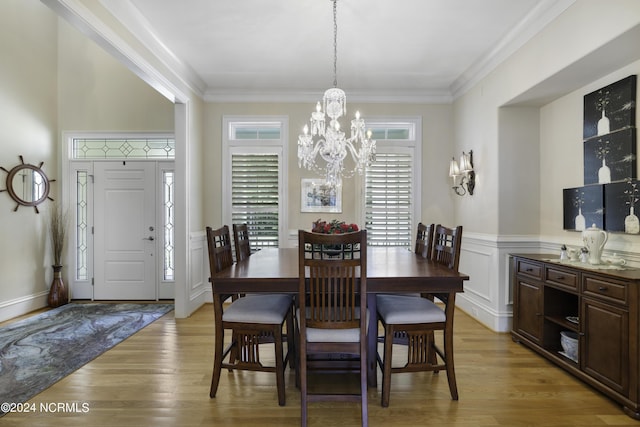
(254, 196)
(388, 207)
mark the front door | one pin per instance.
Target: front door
(124, 231)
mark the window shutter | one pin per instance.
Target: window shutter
(388, 208)
(254, 198)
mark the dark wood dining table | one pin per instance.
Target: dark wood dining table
(389, 270)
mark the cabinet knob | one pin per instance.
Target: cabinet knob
(603, 288)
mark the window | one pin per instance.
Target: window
(254, 176)
(255, 196)
(156, 148)
(392, 183)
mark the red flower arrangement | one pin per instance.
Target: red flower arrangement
(333, 227)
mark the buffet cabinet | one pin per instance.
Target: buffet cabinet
(601, 305)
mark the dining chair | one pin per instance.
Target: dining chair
(423, 247)
(332, 312)
(424, 240)
(253, 320)
(419, 318)
(241, 241)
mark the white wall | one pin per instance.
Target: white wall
(525, 122)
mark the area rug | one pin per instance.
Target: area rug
(40, 350)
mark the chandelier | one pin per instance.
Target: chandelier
(328, 141)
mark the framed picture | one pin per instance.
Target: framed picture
(610, 158)
(620, 199)
(583, 207)
(317, 196)
(611, 108)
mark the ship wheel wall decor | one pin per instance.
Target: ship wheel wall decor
(27, 184)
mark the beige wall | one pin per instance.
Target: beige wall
(53, 79)
(28, 127)
(437, 136)
(562, 148)
(98, 93)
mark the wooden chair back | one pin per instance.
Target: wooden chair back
(446, 246)
(241, 241)
(424, 240)
(333, 277)
(220, 252)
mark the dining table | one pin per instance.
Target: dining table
(389, 270)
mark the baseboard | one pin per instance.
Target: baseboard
(495, 321)
(21, 306)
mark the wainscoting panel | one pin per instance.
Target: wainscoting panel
(199, 289)
(485, 258)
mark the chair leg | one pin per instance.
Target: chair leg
(364, 385)
(386, 365)
(279, 365)
(217, 361)
(302, 367)
(291, 340)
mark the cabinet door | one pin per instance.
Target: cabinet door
(605, 345)
(528, 320)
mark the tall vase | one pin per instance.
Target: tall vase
(603, 124)
(631, 223)
(580, 221)
(58, 294)
(604, 173)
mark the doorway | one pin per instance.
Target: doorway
(122, 243)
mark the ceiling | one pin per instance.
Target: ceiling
(387, 50)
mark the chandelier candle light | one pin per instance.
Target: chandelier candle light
(329, 142)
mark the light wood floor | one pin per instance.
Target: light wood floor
(161, 377)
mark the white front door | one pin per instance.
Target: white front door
(125, 231)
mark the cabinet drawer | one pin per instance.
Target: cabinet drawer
(529, 268)
(605, 289)
(564, 278)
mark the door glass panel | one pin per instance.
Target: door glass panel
(82, 270)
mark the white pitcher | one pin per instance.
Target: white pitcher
(594, 240)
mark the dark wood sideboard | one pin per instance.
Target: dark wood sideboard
(606, 303)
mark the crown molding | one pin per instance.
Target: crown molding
(402, 97)
(538, 18)
(139, 26)
(130, 17)
(80, 17)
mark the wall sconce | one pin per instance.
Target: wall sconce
(464, 178)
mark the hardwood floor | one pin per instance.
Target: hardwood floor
(161, 377)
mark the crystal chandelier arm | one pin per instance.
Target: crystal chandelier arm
(352, 150)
